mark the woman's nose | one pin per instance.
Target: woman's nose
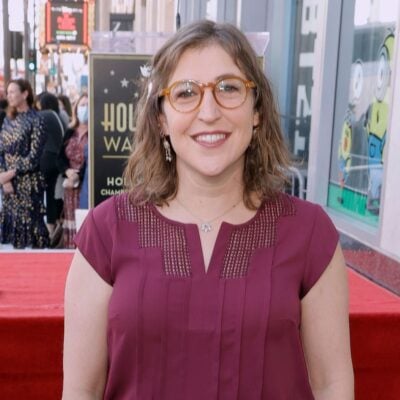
(209, 109)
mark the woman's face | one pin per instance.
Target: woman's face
(82, 110)
(15, 97)
(83, 101)
(211, 140)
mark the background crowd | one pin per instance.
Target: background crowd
(43, 162)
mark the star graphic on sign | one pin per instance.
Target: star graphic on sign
(106, 90)
(124, 83)
(112, 72)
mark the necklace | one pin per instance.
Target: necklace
(206, 226)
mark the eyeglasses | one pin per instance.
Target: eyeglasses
(186, 95)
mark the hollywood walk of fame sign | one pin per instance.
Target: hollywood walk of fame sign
(113, 96)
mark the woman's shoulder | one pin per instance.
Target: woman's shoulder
(104, 209)
(69, 132)
(49, 118)
(33, 115)
(32, 112)
(304, 207)
(29, 114)
(48, 115)
(311, 219)
(288, 205)
(118, 206)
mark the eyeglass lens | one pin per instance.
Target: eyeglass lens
(229, 93)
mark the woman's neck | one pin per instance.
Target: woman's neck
(82, 129)
(215, 192)
(22, 108)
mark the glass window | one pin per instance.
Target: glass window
(296, 116)
(122, 6)
(211, 10)
(362, 108)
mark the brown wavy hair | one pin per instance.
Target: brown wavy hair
(149, 177)
(23, 85)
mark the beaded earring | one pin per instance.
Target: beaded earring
(167, 148)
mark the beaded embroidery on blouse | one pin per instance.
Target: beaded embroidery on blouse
(261, 232)
(157, 232)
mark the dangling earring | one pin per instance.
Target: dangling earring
(167, 148)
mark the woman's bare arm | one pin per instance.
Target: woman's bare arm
(85, 342)
(325, 334)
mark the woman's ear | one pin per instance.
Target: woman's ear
(162, 122)
(256, 119)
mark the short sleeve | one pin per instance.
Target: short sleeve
(96, 237)
(322, 244)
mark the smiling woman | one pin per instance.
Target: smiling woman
(211, 131)
(205, 280)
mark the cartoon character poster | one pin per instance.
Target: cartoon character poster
(376, 123)
(358, 154)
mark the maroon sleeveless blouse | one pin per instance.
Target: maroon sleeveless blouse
(176, 332)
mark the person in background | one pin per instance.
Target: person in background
(3, 113)
(84, 193)
(70, 163)
(3, 110)
(22, 140)
(65, 108)
(205, 280)
(49, 111)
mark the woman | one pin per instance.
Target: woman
(70, 162)
(3, 108)
(49, 111)
(22, 140)
(84, 194)
(205, 281)
(65, 108)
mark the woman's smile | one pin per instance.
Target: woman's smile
(211, 139)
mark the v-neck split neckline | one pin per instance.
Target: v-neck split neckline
(192, 233)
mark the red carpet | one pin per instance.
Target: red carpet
(31, 324)
(375, 340)
(31, 330)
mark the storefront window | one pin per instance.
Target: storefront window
(297, 121)
(211, 10)
(362, 110)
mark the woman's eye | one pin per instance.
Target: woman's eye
(227, 87)
(185, 93)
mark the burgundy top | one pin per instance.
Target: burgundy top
(176, 332)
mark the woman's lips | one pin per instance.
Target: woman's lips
(211, 138)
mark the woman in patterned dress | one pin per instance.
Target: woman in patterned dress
(22, 141)
(70, 163)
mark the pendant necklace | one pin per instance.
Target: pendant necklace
(206, 226)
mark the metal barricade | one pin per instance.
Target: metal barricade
(296, 183)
